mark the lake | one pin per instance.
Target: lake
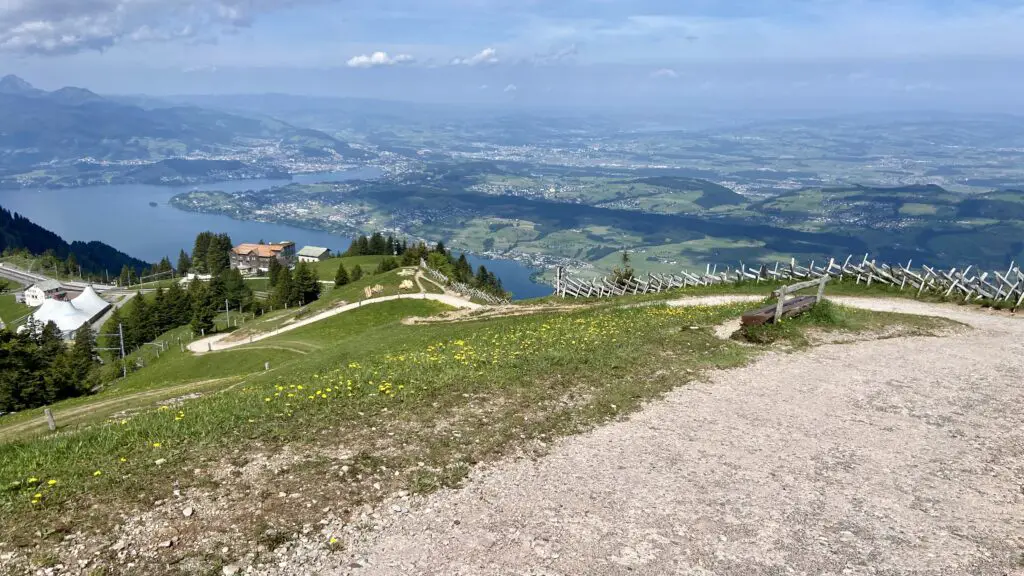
(123, 217)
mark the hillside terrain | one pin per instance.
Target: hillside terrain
(202, 462)
(74, 137)
(582, 218)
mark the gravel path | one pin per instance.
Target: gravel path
(900, 456)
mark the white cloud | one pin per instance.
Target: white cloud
(378, 59)
(67, 26)
(510, 88)
(485, 56)
(556, 56)
(484, 86)
(665, 73)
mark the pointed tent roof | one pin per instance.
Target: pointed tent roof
(90, 302)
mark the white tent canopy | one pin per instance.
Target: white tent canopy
(70, 316)
(90, 302)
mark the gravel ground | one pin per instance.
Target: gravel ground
(900, 456)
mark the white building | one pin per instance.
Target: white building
(313, 254)
(36, 294)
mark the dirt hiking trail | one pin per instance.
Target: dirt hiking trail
(897, 456)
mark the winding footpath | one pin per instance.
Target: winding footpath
(217, 342)
(893, 456)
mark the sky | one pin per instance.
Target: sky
(844, 54)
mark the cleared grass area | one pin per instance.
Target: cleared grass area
(329, 298)
(403, 407)
(328, 268)
(10, 310)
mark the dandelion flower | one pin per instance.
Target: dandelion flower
(156, 444)
(123, 459)
(51, 482)
(98, 473)
(37, 495)
(32, 480)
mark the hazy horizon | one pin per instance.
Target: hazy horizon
(821, 57)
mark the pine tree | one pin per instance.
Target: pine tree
(200, 251)
(274, 272)
(440, 249)
(218, 256)
(306, 284)
(72, 264)
(126, 276)
(159, 313)
(235, 290)
(204, 308)
(463, 270)
(341, 277)
(390, 246)
(357, 272)
(282, 294)
(83, 358)
(184, 263)
(178, 307)
(363, 246)
(139, 326)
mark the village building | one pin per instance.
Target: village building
(250, 259)
(36, 294)
(313, 254)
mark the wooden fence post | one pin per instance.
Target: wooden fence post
(821, 289)
(778, 305)
(50, 422)
(266, 366)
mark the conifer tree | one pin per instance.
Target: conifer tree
(341, 276)
(204, 307)
(83, 357)
(357, 272)
(282, 294)
(184, 263)
(274, 272)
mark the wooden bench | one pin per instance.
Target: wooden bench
(787, 308)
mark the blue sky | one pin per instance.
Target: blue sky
(918, 52)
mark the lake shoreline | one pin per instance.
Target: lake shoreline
(123, 217)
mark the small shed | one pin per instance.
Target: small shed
(313, 254)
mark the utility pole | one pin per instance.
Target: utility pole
(227, 308)
(124, 364)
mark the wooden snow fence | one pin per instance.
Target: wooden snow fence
(787, 307)
(965, 284)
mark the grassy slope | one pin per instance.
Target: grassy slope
(459, 393)
(329, 298)
(328, 268)
(11, 310)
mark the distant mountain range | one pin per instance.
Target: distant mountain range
(38, 127)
